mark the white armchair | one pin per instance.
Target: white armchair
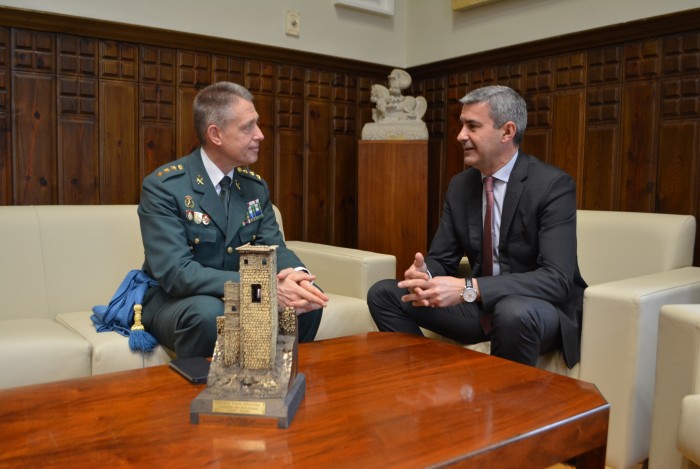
(675, 437)
(633, 263)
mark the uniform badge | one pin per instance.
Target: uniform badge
(198, 217)
(189, 201)
(189, 214)
(206, 219)
(200, 180)
(253, 212)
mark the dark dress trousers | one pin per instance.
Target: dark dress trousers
(190, 242)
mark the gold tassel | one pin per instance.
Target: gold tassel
(137, 319)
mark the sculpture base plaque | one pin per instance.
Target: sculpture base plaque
(282, 409)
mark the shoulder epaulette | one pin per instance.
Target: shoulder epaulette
(250, 174)
(169, 170)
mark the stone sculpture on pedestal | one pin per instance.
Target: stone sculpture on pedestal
(396, 117)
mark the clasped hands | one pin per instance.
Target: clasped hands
(425, 291)
(295, 288)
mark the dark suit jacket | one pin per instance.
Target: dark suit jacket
(189, 258)
(537, 244)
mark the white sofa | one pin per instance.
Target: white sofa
(633, 263)
(59, 261)
(675, 437)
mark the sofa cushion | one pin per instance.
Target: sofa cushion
(22, 282)
(87, 252)
(36, 350)
(618, 245)
(110, 350)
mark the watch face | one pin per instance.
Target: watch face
(469, 295)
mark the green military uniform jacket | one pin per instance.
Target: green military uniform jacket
(190, 241)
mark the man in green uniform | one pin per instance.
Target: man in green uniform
(196, 211)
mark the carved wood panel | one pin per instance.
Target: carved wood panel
(84, 118)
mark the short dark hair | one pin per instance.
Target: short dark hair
(506, 105)
(211, 105)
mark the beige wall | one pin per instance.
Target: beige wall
(419, 32)
(435, 32)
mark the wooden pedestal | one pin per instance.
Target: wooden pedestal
(392, 198)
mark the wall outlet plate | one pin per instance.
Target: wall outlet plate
(293, 23)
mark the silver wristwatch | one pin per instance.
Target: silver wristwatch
(469, 294)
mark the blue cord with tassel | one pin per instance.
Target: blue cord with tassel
(120, 314)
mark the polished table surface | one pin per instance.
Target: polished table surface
(374, 400)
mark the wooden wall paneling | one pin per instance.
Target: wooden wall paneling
(642, 65)
(679, 169)
(119, 179)
(227, 68)
(540, 120)
(537, 91)
(570, 70)
(567, 133)
(194, 72)
(601, 159)
(453, 161)
(437, 181)
(157, 145)
(77, 126)
(443, 125)
(194, 69)
(364, 103)
(289, 195)
(260, 79)
(289, 148)
(679, 139)
(512, 75)
(538, 76)
(598, 186)
(317, 179)
(157, 107)
(442, 94)
(79, 156)
(344, 191)
(482, 77)
(343, 171)
(34, 126)
(538, 142)
(569, 114)
(638, 163)
(118, 118)
(185, 134)
(34, 117)
(266, 164)
(638, 81)
(6, 173)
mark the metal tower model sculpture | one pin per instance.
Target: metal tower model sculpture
(254, 367)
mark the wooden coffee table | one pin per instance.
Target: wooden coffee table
(374, 400)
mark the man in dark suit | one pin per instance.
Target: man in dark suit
(528, 300)
(196, 211)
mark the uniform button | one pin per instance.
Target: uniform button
(229, 250)
(254, 237)
(196, 240)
